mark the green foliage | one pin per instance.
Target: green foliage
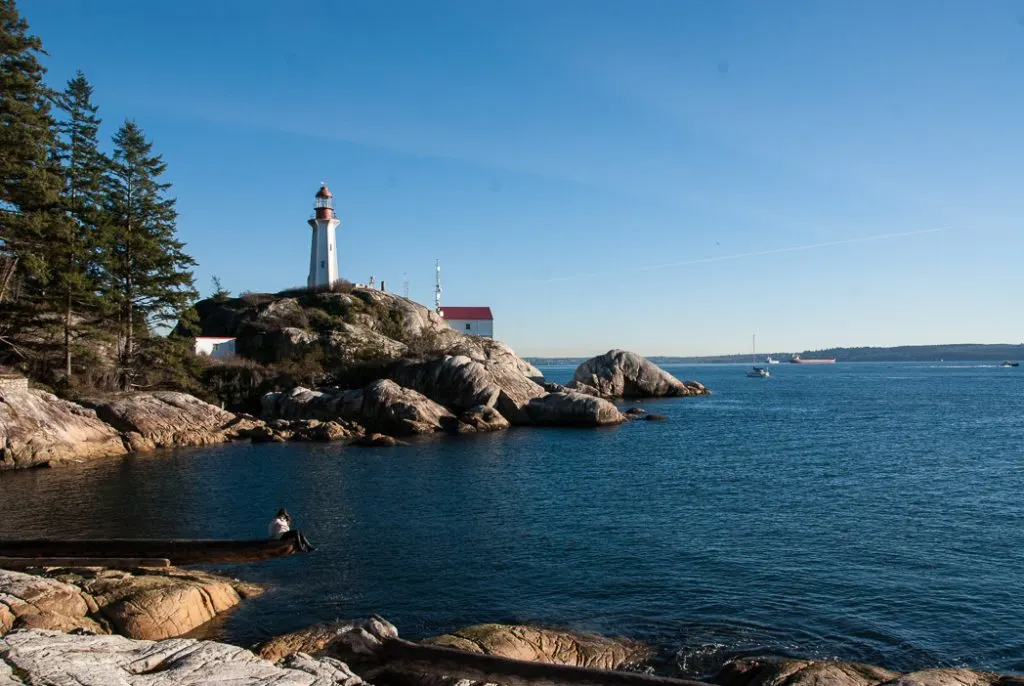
(147, 275)
(168, 363)
(74, 239)
(220, 294)
(89, 264)
(29, 185)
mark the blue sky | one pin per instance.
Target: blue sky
(563, 159)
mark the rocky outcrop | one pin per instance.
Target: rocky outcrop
(462, 383)
(481, 419)
(162, 419)
(381, 406)
(343, 640)
(162, 603)
(38, 428)
(622, 374)
(47, 658)
(787, 672)
(573, 409)
(34, 602)
(550, 646)
(150, 604)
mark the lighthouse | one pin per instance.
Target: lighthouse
(323, 258)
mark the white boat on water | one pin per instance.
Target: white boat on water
(756, 372)
(772, 360)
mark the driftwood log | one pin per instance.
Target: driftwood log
(398, 658)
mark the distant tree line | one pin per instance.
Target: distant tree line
(90, 262)
(960, 352)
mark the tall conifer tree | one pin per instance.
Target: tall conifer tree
(28, 183)
(76, 238)
(148, 274)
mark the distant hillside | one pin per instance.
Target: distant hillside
(962, 352)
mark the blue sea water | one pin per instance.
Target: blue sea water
(867, 512)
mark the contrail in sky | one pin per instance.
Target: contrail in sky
(737, 256)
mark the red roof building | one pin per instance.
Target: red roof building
(467, 313)
(476, 321)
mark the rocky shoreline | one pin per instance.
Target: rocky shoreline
(101, 626)
(452, 394)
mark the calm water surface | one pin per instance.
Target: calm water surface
(867, 512)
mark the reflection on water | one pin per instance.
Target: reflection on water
(822, 512)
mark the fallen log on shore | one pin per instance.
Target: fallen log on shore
(176, 551)
(399, 658)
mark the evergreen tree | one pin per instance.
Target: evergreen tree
(75, 240)
(28, 184)
(146, 269)
(220, 293)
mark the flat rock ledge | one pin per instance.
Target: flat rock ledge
(49, 658)
(143, 603)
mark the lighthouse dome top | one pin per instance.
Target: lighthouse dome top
(324, 192)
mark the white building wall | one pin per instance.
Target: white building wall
(215, 347)
(475, 327)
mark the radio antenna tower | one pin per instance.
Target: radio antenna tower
(437, 287)
(405, 286)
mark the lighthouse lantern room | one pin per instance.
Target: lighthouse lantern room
(323, 258)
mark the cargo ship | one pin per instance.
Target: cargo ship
(796, 359)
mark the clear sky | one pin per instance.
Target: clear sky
(602, 174)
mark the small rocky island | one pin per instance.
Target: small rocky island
(360, 365)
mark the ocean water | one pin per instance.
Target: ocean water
(866, 512)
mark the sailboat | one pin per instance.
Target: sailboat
(755, 371)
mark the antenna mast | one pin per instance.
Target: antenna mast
(405, 286)
(437, 286)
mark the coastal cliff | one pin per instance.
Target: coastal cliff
(346, 340)
(361, 365)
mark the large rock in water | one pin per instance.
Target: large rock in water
(573, 409)
(38, 428)
(47, 658)
(550, 646)
(380, 406)
(163, 419)
(622, 374)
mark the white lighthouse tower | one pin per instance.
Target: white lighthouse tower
(323, 258)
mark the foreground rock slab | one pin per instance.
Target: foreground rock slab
(148, 604)
(623, 374)
(40, 429)
(47, 658)
(163, 419)
(551, 646)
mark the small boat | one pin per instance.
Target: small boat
(771, 360)
(756, 372)
(179, 552)
(1008, 363)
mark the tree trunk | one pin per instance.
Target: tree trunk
(67, 338)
